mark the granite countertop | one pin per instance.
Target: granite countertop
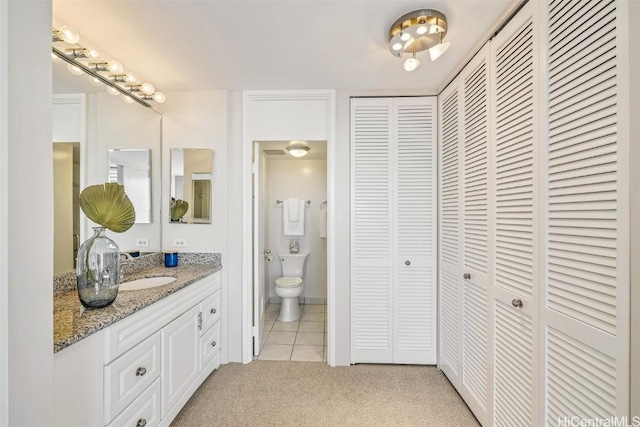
(72, 322)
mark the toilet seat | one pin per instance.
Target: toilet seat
(289, 282)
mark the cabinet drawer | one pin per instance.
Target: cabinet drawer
(209, 344)
(144, 411)
(126, 377)
(210, 310)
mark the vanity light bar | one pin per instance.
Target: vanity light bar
(115, 79)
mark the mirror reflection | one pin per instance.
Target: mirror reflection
(191, 185)
(131, 167)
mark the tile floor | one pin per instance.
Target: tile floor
(302, 341)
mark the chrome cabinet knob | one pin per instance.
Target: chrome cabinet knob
(407, 262)
(213, 344)
(141, 371)
(141, 422)
(517, 303)
(466, 276)
(213, 311)
(267, 251)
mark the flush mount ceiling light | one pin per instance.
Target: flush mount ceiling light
(298, 149)
(417, 31)
(110, 72)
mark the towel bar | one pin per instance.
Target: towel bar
(279, 202)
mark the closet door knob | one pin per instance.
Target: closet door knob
(407, 262)
(517, 303)
(141, 422)
(213, 344)
(213, 311)
(141, 371)
(466, 276)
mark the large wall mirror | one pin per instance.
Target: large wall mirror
(191, 182)
(99, 138)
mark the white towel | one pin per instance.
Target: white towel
(292, 206)
(293, 228)
(322, 222)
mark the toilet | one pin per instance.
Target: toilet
(290, 286)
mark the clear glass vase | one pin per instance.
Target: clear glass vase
(98, 270)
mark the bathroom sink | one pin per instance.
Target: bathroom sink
(146, 283)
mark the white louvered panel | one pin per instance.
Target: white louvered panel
(450, 209)
(414, 337)
(581, 381)
(415, 176)
(513, 360)
(450, 327)
(514, 172)
(371, 182)
(476, 168)
(582, 163)
(475, 343)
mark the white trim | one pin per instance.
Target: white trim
(4, 191)
(248, 98)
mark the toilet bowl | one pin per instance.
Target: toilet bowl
(291, 285)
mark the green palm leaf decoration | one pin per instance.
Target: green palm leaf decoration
(108, 205)
(178, 209)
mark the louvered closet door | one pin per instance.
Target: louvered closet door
(450, 286)
(414, 296)
(477, 236)
(371, 231)
(515, 112)
(585, 316)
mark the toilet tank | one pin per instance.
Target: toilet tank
(293, 264)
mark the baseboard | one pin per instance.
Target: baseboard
(274, 299)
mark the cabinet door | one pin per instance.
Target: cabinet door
(180, 357)
(515, 110)
(371, 231)
(451, 204)
(414, 221)
(477, 235)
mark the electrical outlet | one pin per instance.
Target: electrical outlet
(142, 242)
(179, 243)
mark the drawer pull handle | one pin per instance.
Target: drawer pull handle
(517, 303)
(141, 422)
(466, 276)
(140, 372)
(213, 311)
(213, 344)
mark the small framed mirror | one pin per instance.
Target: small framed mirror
(131, 167)
(191, 186)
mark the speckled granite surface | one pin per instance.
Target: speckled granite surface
(72, 322)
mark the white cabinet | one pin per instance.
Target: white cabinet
(146, 366)
(393, 230)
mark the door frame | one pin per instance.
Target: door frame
(249, 99)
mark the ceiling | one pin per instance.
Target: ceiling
(277, 45)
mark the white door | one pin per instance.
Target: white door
(259, 244)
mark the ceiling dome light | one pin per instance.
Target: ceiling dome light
(159, 97)
(422, 29)
(397, 46)
(437, 50)
(113, 91)
(405, 36)
(76, 71)
(298, 149)
(411, 63)
(115, 67)
(147, 88)
(69, 34)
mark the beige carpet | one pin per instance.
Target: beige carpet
(270, 393)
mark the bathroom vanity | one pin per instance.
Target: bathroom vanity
(138, 361)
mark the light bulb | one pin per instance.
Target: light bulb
(411, 63)
(396, 46)
(94, 81)
(159, 97)
(55, 58)
(76, 71)
(421, 29)
(113, 91)
(147, 88)
(405, 36)
(127, 99)
(132, 79)
(437, 50)
(115, 67)
(93, 52)
(69, 34)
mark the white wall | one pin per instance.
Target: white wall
(112, 124)
(303, 179)
(26, 231)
